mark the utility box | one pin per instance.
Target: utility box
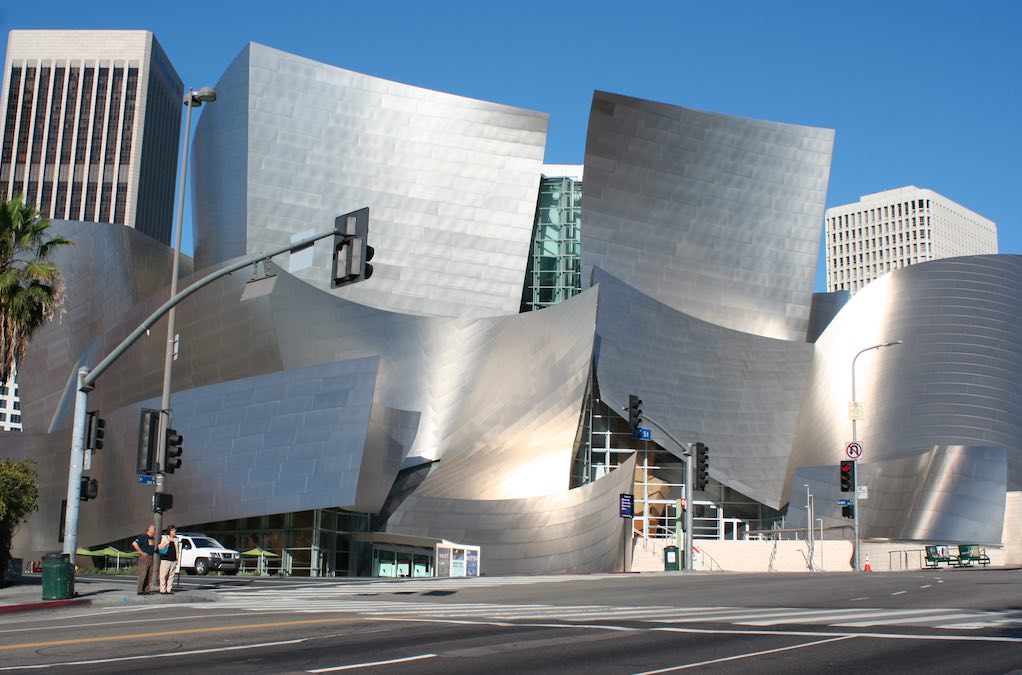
(672, 561)
(58, 577)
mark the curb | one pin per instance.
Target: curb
(44, 604)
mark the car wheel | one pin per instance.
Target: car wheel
(202, 567)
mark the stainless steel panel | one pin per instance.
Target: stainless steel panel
(738, 393)
(451, 182)
(713, 215)
(954, 381)
(950, 494)
(574, 531)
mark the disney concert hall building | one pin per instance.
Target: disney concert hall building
(351, 429)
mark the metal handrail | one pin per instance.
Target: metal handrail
(903, 554)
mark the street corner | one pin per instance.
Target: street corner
(17, 605)
(154, 598)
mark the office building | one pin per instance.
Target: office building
(888, 230)
(10, 405)
(91, 127)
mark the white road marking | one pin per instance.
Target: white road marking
(854, 599)
(711, 631)
(133, 621)
(21, 619)
(904, 620)
(899, 593)
(927, 586)
(744, 656)
(158, 656)
(829, 616)
(374, 663)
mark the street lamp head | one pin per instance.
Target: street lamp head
(891, 344)
(203, 95)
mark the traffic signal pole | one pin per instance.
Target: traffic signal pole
(689, 478)
(85, 378)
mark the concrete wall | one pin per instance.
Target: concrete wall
(793, 556)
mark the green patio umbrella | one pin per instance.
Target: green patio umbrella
(109, 551)
(262, 554)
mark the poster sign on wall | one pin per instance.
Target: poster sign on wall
(443, 561)
(472, 562)
(458, 562)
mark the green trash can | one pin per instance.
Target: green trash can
(672, 561)
(58, 577)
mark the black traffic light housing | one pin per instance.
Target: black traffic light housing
(174, 450)
(702, 466)
(847, 476)
(89, 489)
(148, 433)
(848, 511)
(162, 501)
(634, 412)
(95, 431)
(351, 250)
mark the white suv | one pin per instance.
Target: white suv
(200, 554)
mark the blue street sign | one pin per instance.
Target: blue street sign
(627, 506)
(844, 502)
(147, 480)
(643, 433)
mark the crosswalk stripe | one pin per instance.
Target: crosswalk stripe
(342, 598)
(906, 620)
(839, 615)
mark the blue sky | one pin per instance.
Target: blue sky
(925, 93)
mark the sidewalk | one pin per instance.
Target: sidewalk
(26, 594)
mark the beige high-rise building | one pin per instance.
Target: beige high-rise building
(91, 126)
(888, 230)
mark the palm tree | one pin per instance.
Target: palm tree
(30, 286)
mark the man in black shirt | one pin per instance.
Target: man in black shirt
(145, 544)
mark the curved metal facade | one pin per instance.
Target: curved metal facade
(700, 233)
(452, 182)
(957, 380)
(299, 389)
(737, 392)
(716, 216)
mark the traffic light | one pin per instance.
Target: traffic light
(634, 411)
(847, 476)
(351, 251)
(95, 431)
(89, 489)
(174, 449)
(702, 466)
(148, 433)
(848, 511)
(162, 501)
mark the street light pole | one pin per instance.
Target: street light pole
(855, 473)
(193, 99)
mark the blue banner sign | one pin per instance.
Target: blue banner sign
(643, 433)
(627, 505)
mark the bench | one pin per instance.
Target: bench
(970, 553)
(937, 554)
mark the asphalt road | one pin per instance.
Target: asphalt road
(954, 621)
